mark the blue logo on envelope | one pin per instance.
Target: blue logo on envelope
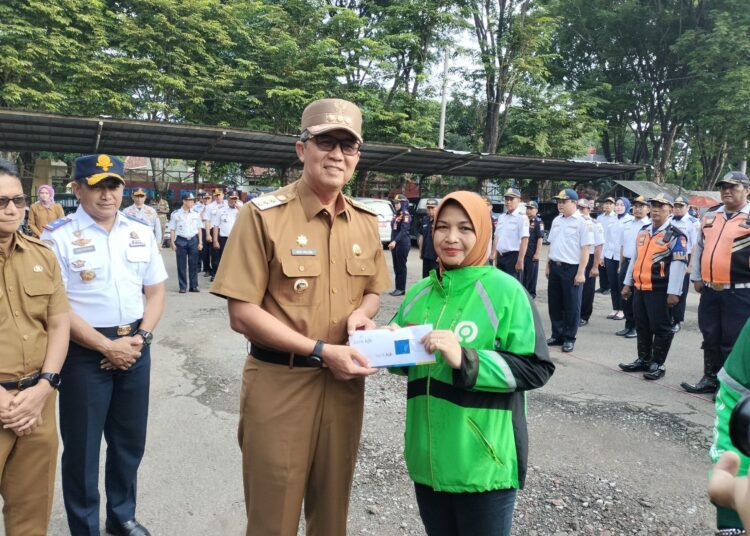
(402, 347)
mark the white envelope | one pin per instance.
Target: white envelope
(386, 348)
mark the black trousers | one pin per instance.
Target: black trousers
(653, 324)
(205, 254)
(216, 254)
(721, 317)
(625, 305)
(678, 311)
(530, 274)
(603, 278)
(428, 265)
(187, 253)
(400, 254)
(564, 300)
(587, 299)
(507, 263)
(611, 268)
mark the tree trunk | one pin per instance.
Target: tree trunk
(491, 127)
(665, 151)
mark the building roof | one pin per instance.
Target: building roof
(36, 131)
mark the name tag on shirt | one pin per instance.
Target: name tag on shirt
(304, 252)
(85, 249)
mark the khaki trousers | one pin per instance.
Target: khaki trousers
(27, 469)
(299, 433)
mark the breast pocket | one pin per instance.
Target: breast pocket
(38, 289)
(299, 282)
(360, 271)
(86, 272)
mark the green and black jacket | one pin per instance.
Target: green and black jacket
(466, 428)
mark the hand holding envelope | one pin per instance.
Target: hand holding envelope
(394, 347)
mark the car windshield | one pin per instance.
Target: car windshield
(382, 207)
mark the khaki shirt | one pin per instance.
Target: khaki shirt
(39, 216)
(289, 259)
(31, 290)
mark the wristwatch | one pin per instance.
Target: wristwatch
(316, 355)
(52, 377)
(147, 336)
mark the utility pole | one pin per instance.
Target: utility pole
(743, 162)
(444, 103)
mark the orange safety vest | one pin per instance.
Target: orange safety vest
(726, 248)
(655, 255)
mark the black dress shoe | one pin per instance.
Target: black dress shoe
(622, 332)
(129, 528)
(582, 322)
(676, 327)
(568, 346)
(639, 365)
(183, 291)
(554, 342)
(655, 371)
(708, 384)
(397, 292)
(194, 290)
(631, 334)
(603, 291)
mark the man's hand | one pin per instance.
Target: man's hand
(546, 271)
(594, 271)
(122, 353)
(216, 244)
(698, 286)
(209, 239)
(174, 246)
(535, 257)
(200, 246)
(672, 300)
(391, 245)
(358, 320)
(24, 412)
(346, 362)
(728, 490)
(626, 292)
(444, 341)
(519, 265)
(580, 278)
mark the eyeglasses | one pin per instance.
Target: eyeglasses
(329, 143)
(19, 201)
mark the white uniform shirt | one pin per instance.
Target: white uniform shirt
(224, 219)
(186, 224)
(511, 228)
(598, 233)
(567, 236)
(198, 207)
(148, 216)
(611, 249)
(630, 235)
(689, 225)
(210, 213)
(104, 273)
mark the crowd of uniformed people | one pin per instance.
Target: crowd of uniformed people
(301, 270)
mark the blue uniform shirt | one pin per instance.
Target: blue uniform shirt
(428, 247)
(536, 231)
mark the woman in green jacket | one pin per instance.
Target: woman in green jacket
(466, 440)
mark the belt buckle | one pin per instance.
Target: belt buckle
(720, 287)
(123, 330)
(28, 381)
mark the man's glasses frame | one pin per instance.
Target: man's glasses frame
(18, 200)
(329, 143)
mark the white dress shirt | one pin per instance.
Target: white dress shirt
(567, 236)
(511, 228)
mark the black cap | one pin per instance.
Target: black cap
(734, 177)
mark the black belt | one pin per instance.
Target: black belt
(283, 358)
(560, 263)
(119, 331)
(23, 383)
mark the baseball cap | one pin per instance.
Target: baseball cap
(734, 177)
(94, 168)
(218, 191)
(234, 195)
(512, 192)
(583, 203)
(662, 199)
(681, 200)
(609, 200)
(139, 192)
(640, 199)
(431, 202)
(532, 204)
(568, 193)
(325, 115)
(188, 197)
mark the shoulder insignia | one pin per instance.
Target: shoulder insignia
(37, 241)
(133, 218)
(265, 202)
(360, 206)
(54, 225)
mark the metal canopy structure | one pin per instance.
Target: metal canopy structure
(36, 131)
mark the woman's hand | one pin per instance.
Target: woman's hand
(444, 341)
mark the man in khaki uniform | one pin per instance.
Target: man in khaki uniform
(35, 325)
(303, 268)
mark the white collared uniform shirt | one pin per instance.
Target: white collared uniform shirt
(598, 233)
(185, 224)
(224, 219)
(567, 236)
(148, 216)
(210, 213)
(611, 247)
(630, 236)
(511, 228)
(689, 225)
(104, 273)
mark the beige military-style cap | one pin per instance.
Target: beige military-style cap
(325, 115)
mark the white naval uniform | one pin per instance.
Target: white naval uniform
(224, 219)
(185, 224)
(630, 236)
(104, 273)
(690, 226)
(511, 228)
(568, 235)
(148, 216)
(611, 247)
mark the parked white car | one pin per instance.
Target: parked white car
(385, 213)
